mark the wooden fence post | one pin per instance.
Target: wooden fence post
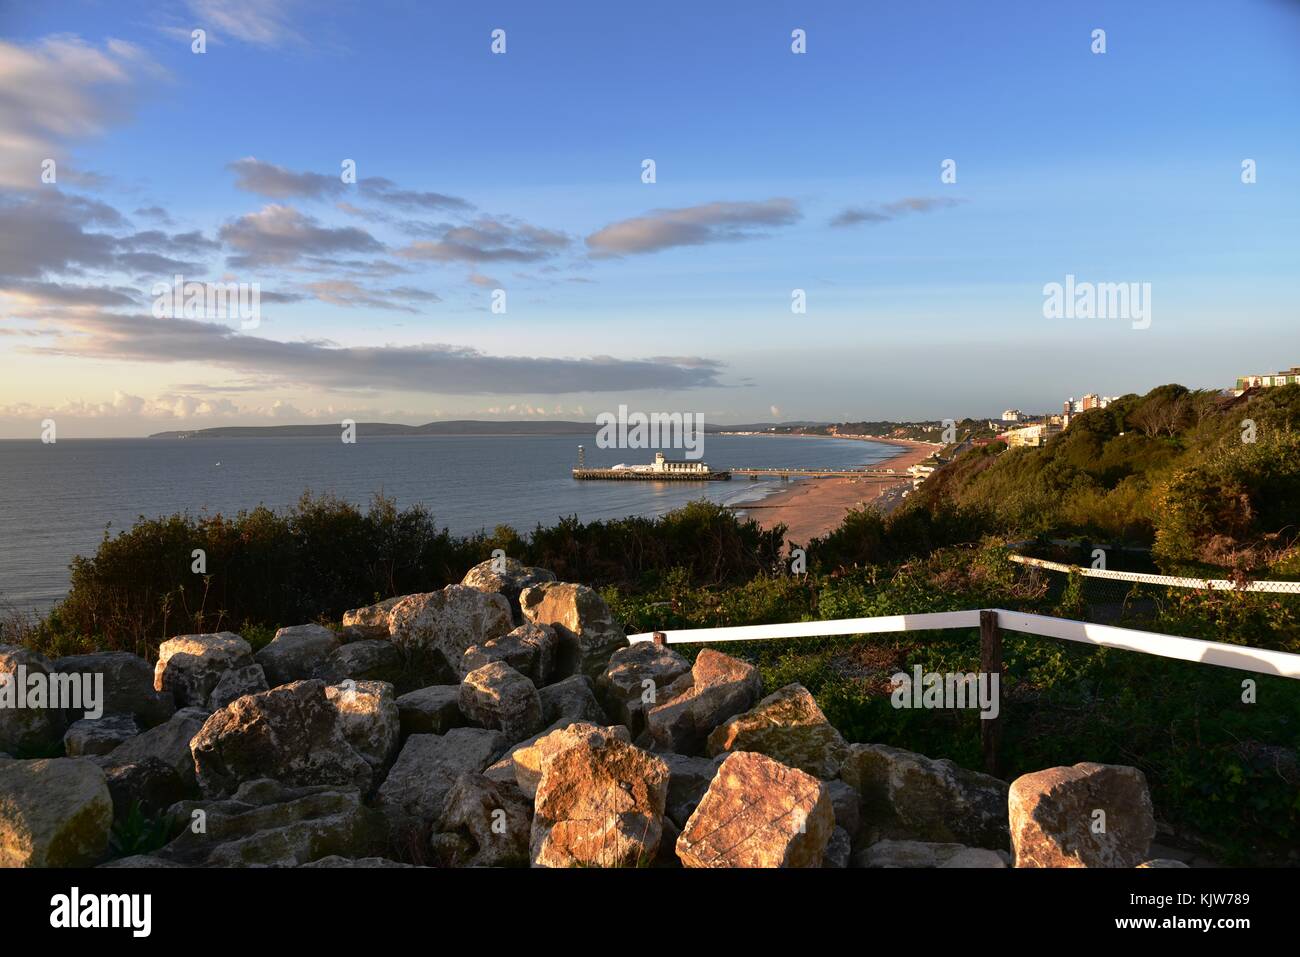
(991, 663)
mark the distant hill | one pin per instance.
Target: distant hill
(452, 427)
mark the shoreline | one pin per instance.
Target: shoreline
(813, 507)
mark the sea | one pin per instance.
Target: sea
(59, 500)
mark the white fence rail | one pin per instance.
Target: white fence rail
(1241, 657)
(1167, 581)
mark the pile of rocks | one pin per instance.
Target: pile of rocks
(559, 745)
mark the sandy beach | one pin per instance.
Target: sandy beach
(811, 507)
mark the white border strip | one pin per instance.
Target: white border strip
(1244, 658)
(1171, 581)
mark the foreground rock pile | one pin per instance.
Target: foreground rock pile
(553, 743)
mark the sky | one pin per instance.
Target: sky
(437, 229)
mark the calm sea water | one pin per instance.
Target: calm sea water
(56, 500)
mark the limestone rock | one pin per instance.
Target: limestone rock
(432, 710)
(149, 783)
(370, 659)
(189, 666)
(53, 813)
(632, 678)
(507, 577)
(909, 795)
(366, 863)
(26, 729)
(449, 621)
(838, 850)
(495, 817)
(530, 649)
(295, 653)
(266, 823)
(758, 813)
(291, 733)
(128, 685)
(168, 742)
(688, 780)
(496, 696)
(1163, 862)
(891, 853)
(600, 803)
(848, 806)
(370, 621)
(787, 726)
(586, 629)
(717, 687)
(530, 761)
(412, 796)
(98, 735)
(369, 717)
(236, 683)
(573, 699)
(140, 861)
(1055, 820)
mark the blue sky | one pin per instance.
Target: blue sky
(1115, 167)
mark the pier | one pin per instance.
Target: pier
(647, 475)
(883, 475)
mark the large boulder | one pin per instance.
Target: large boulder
(586, 629)
(370, 621)
(432, 710)
(369, 717)
(189, 666)
(717, 687)
(295, 653)
(149, 784)
(236, 683)
(631, 681)
(128, 685)
(412, 796)
(266, 823)
(839, 850)
(496, 696)
(928, 854)
(600, 803)
(446, 623)
(530, 758)
(847, 803)
(494, 817)
(370, 659)
(787, 726)
(508, 577)
(53, 813)
(291, 733)
(1089, 815)
(98, 735)
(573, 699)
(908, 795)
(26, 728)
(688, 780)
(168, 742)
(530, 649)
(758, 813)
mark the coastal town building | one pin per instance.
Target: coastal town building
(1289, 377)
(1031, 436)
(1012, 415)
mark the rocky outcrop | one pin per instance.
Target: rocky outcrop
(530, 649)
(26, 729)
(1089, 815)
(412, 796)
(507, 577)
(788, 727)
(717, 687)
(529, 759)
(370, 659)
(53, 813)
(296, 653)
(369, 718)
(128, 685)
(496, 696)
(923, 854)
(432, 710)
(907, 795)
(236, 683)
(269, 824)
(573, 699)
(446, 623)
(168, 742)
(586, 629)
(98, 735)
(758, 813)
(599, 803)
(631, 681)
(291, 733)
(189, 666)
(370, 621)
(494, 818)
